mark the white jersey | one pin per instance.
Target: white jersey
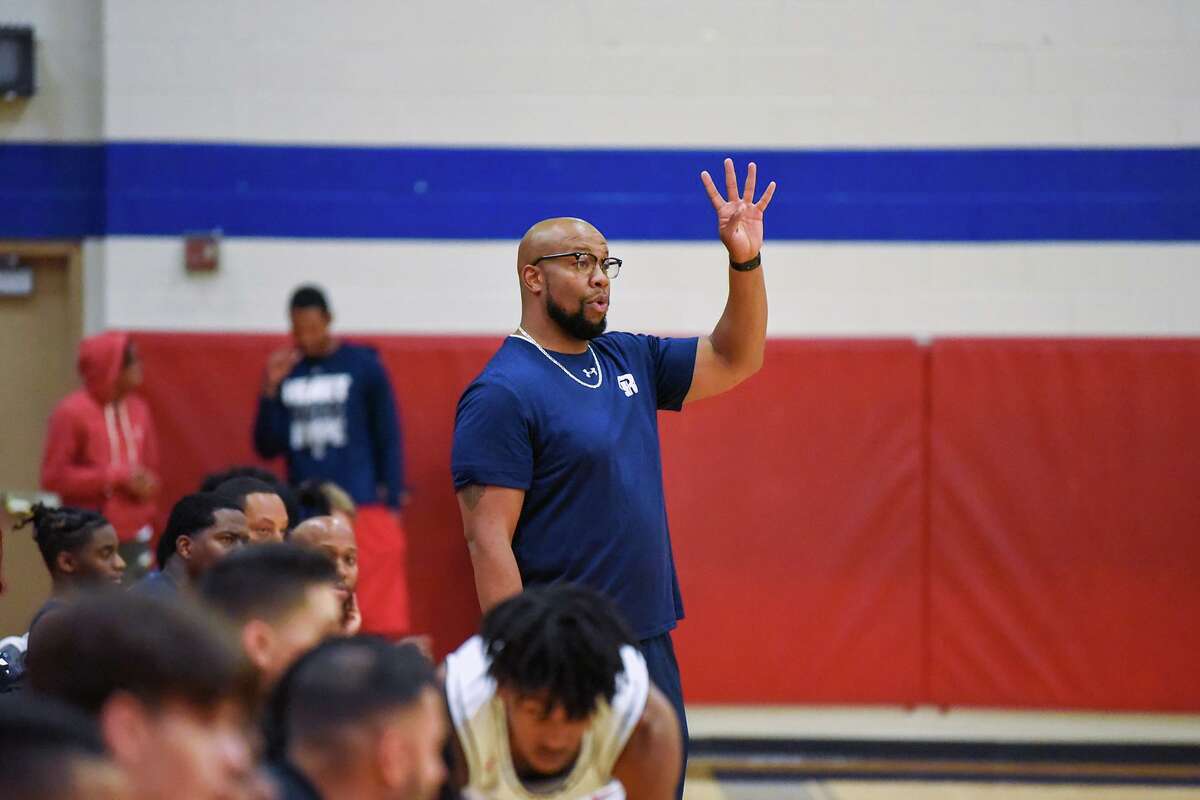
(482, 729)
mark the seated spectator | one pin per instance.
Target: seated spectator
(334, 537)
(51, 751)
(553, 698)
(266, 515)
(166, 685)
(283, 599)
(360, 718)
(294, 511)
(203, 528)
(80, 550)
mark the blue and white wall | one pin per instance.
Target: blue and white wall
(928, 154)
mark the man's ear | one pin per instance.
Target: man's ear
(127, 729)
(258, 642)
(183, 547)
(533, 279)
(65, 563)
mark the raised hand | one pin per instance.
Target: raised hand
(279, 365)
(739, 219)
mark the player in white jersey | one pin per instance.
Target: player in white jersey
(552, 702)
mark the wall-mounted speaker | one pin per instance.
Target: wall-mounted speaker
(16, 61)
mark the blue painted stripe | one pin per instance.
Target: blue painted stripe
(51, 191)
(154, 189)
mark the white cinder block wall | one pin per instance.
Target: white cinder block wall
(689, 74)
(69, 106)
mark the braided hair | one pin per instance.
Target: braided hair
(61, 530)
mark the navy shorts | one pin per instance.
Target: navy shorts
(664, 672)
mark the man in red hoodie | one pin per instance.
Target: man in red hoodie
(101, 449)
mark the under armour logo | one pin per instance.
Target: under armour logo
(628, 384)
(590, 372)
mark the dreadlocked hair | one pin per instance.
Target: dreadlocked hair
(61, 530)
(562, 640)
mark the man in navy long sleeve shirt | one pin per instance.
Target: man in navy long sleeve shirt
(327, 406)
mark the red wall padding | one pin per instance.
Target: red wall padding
(1003, 523)
(796, 513)
(795, 503)
(1065, 524)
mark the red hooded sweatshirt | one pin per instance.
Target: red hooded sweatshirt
(95, 441)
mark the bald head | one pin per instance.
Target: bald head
(556, 235)
(564, 300)
(334, 537)
(315, 529)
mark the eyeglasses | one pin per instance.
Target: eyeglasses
(586, 263)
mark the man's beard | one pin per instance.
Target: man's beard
(575, 325)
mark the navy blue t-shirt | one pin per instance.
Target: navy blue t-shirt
(334, 419)
(589, 462)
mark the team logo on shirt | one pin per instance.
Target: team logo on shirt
(590, 372)
(318, 407)
(627, 384)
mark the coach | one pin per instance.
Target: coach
(556, 454)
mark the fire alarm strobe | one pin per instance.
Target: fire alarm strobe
(16, 62)
(202, 251)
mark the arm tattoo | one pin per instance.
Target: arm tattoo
(472, 495)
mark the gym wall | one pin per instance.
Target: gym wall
(946, 169)
(393, 150)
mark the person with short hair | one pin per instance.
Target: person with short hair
(328, 408)
(360, 717)
(79, 548)
(203, 528)
(101, 450)
(51, 751)
(290, 501)
(266, 513)
(333, 536)
(552, 699)
(283, 600)
(556, 457)
(166, 684)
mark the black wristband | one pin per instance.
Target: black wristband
(753, 263)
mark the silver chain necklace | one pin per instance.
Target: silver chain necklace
(524, 334)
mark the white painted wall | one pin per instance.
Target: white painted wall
(815, 289)
(69, 105)
(672, 73)
(669, 73)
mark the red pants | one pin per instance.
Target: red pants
(382, 572)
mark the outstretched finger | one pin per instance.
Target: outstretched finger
(751, 177)
(714, 196)
(762, 204)
(730, 180)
